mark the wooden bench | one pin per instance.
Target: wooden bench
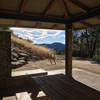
(62, 87)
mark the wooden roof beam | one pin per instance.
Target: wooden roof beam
(48, 7)
(36, 25)
(80, 4)
(64, 6)
(7, 11)
(89, 14)
(86, 23)
(98, 17)
(21, 10)
(22, 6)
(54, 26)
(17, 23)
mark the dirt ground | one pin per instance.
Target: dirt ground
(87, 65)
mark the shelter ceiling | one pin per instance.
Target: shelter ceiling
(60, 10)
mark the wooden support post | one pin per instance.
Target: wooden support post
(68, 50)
(5, 56)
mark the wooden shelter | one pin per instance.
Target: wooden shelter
(49, 14)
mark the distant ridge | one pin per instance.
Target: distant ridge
(56, 45)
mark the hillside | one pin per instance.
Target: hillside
(24, 51)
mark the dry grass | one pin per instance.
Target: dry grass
(37, 50)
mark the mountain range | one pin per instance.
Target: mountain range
(56, 46)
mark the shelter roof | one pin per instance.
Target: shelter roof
(49, 14)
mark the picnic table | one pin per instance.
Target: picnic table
(63, 87)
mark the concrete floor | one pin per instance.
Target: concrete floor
(89, 78)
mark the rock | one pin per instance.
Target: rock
(14, 54)
(23, 54)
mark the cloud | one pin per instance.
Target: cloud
(44, 34)
(39, 35)
(57, 33)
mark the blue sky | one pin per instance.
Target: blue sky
(40, 36)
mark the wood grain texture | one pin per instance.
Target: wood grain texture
(62, 87)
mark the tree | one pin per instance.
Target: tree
(88, 40)
(93, 36)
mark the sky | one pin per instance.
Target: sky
(40, 36)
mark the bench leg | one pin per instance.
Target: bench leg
(34, 94)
